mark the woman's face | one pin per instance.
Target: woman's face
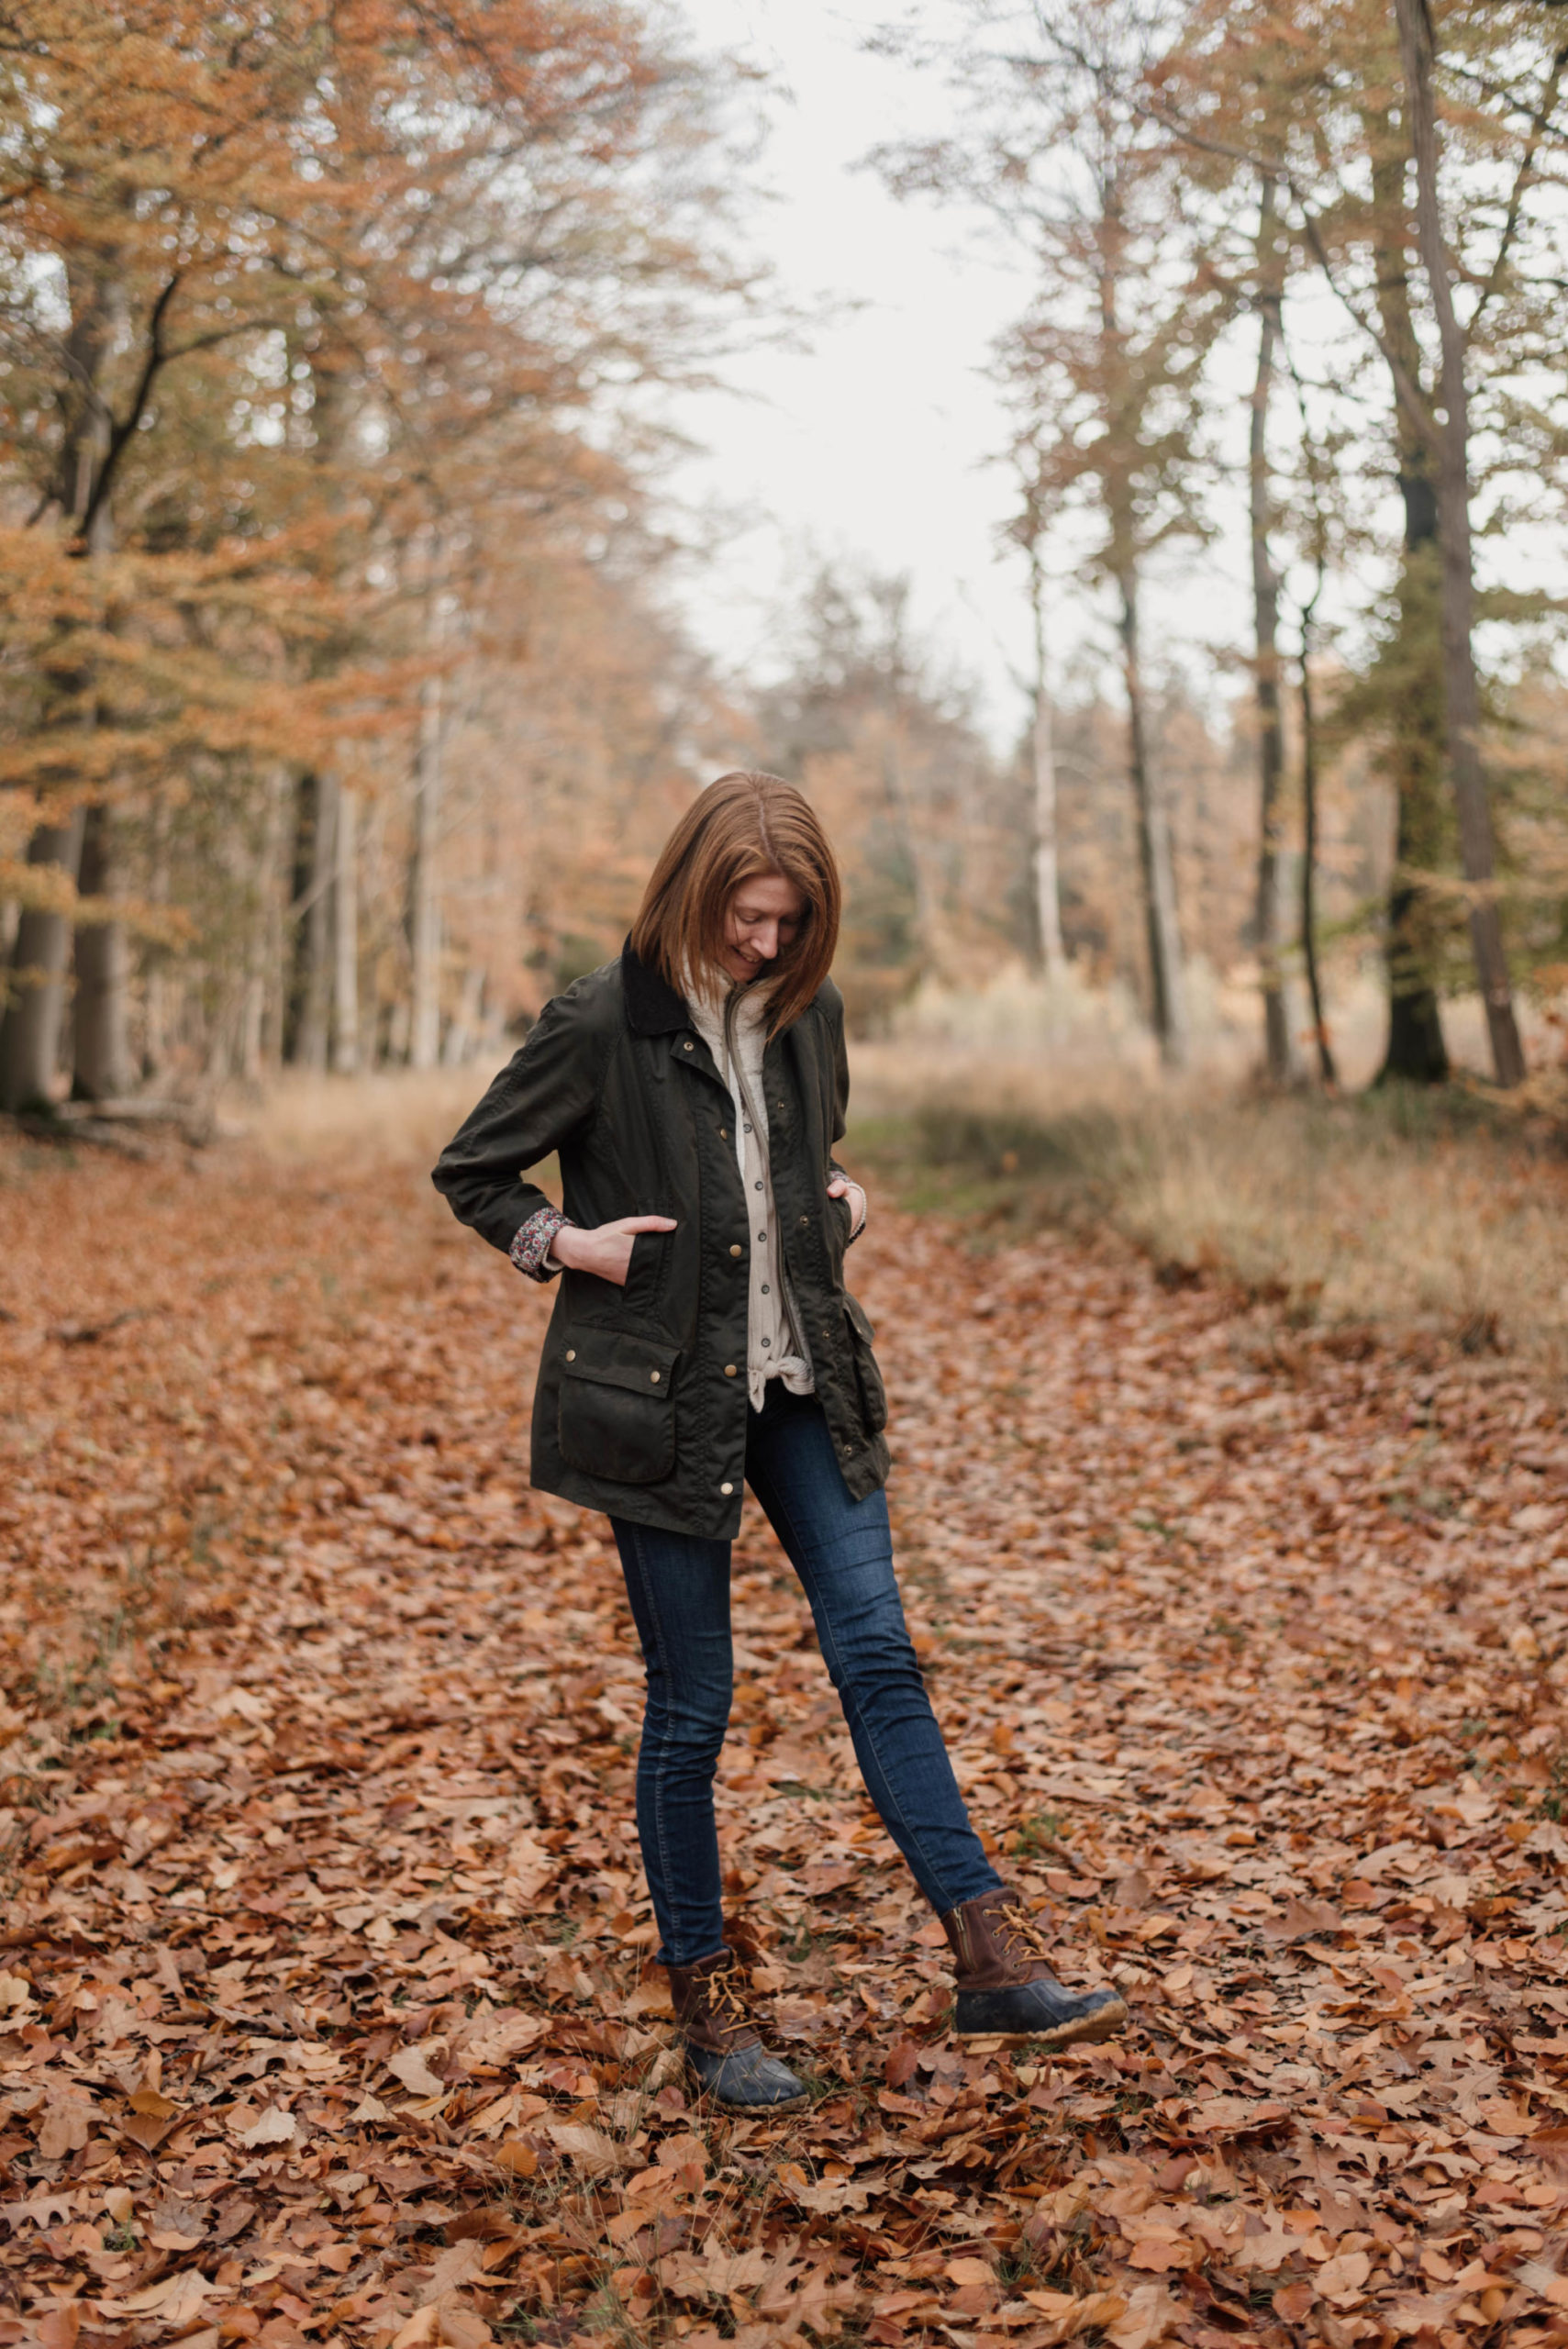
(764, 917)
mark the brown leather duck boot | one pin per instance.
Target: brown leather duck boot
(722, 2046)
(1006, 1988)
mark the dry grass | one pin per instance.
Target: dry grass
(1444, 1216)
(1394, 1211)
(398, 1116)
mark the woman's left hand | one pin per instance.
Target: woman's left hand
(840, 1187)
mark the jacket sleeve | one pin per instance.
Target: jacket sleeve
(547, 1091)
(841, 1111)
(840, 1073)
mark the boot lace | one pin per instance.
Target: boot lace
(726, 2004)
(1021, 1932)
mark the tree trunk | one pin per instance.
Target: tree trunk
(103, 1069)
(313, 915)
(897, 790)
(1047, 867)
(1326, 1069)
(425, 911)
(1416, 1052)
(1462, 698)
(270, 933)
(1166, 979)
(463, 1029)
(1266, 626)
(31, 1028)
(346, 936)
(424, 883)
(157, 988)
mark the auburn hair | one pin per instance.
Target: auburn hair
(745, 825)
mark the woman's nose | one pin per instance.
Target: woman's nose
(769, 941)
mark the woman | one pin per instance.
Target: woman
(703, 1339)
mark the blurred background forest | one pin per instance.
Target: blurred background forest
(345, 696)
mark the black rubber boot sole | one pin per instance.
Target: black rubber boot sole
(1022, 2015)
(747, 2080)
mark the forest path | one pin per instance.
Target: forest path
(323, 1970)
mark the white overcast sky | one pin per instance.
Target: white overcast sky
(870, 442)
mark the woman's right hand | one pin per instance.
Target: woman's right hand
(606, 1250)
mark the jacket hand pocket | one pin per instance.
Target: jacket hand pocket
(645, 1272)
(616, 1416)
(868, 1379)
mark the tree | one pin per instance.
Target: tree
(1299, 90)
(1105, 370)
(1268, 298)
(1450, 427)
(283, 291)
(1027, 530)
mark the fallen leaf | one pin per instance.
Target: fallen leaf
(1234, 2116)
(273, 2127)
(590, 2149)
(1149, 2314)
(455, 2267)
(176, 2300)
(411, 2065)
(1340, 2279)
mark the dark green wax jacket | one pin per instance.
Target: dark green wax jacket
(641, 1408)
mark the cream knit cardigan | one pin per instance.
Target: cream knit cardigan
(775, 1348)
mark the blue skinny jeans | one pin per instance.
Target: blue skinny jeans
(679, 1588)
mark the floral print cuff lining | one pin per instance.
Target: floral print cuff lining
(530, 1249)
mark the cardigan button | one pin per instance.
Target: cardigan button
(726, 1488)
(730, 1371)
(734, 1247)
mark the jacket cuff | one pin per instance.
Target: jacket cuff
(530, 1248)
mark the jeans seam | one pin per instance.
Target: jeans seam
(665, 1868)
(827, 1636)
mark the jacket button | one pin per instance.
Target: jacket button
(570, 1354)
(803, 1221)
(735, 1249)
(726, 1488)
(729, 1369)
(687, 1045)
(653, 1374)
(724, 1134)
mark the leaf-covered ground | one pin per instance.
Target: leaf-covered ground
(326, 2008)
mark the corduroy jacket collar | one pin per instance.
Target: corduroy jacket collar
(652, 1006)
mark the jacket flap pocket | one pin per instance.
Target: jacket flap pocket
(619, 1358)
(857, 1314)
